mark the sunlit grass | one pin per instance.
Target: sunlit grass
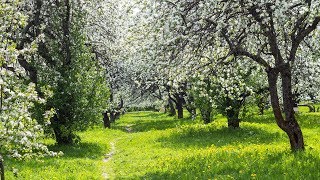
(155, 146)
(191, 150)
(81, 161)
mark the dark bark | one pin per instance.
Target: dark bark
(233, 112)
(191, 107)
(63, 135)
(179, 101)
(117, 114)
(288, 124)
(2, 177)
(106, 120)
(44, 52)
(233, 119)
(66, 34)
(180, 110)
(261, 103)
(1, 99)
(112, 116)
(34, 22)
(192, 111)
(293, 129)
(261, 110)
(262, 99)
(206, 115)
(172, 110)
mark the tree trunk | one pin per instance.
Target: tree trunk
(63, 135)
(179, 100)
(261, 104)
(233, 113)
(233, 118)
(190, 106)
(172, 110)
(117, 114)
(1, 169)
(180, 109)
(206, 115)
(112, 116)
(261, 110)
(66, 23)
(192, 111)
(289, 123)
(106, 120)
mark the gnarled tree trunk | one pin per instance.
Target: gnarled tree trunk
(288, 124)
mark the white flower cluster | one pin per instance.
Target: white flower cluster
(20, 134)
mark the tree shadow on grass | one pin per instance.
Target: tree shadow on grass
(153, 122)
(238, 165)
(306, 120)
(81, 150)
(309, 120)
(267, 118)
(73, 159)
(206, 136)
(146, 114)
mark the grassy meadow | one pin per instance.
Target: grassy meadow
(149, 145)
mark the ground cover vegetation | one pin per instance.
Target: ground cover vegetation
(236, 79)
(149, 145)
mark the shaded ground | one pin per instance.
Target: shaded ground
(148, 145)
(161, 147)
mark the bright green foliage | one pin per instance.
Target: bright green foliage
(203, 91)
(154, 146)
(78, 86)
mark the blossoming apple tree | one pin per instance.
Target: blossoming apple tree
(270, 33)
(20, 133)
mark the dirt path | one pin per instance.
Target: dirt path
(109, 155)
(107, 159)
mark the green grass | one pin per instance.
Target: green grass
(82, 161)
(154, 146)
